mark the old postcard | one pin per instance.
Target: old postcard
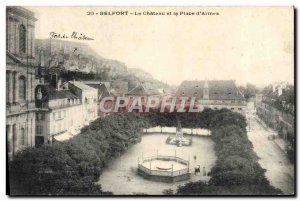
(114, 101)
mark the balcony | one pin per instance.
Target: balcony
(17, 108)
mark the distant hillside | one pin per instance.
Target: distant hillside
(74, 56)
(79, 57)
(140, 73)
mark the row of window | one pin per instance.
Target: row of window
(59, 115)
(90, 100)
(73, 101)
(17, 138)
(239, 109)
(22, 87)
(58, 128)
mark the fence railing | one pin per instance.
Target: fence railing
(164, 172)
(161, 157)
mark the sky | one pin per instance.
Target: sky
(246, 44)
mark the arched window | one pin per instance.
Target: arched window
(22, 39)
(22, 88)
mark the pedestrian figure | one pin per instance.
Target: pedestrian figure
(195, 158)
(204, 171)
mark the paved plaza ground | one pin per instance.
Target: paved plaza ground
(120, 177)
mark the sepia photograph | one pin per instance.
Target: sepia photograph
(150, 101)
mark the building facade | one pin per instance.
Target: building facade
(20, 79)
(214, 94)
(108, 89)
(89, 98)
(143, 91)
(281, 121)
(57, 112)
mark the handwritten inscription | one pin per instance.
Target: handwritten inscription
(74, 35)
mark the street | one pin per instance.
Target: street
(280, 171)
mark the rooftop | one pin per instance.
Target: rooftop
(218, 89)
(142, 90)
(81, 85)
(51, 93)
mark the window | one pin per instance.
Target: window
(22, 38)
(59, 114)
(38, 130)
(239, 108)
(232, 108)
(53, 115)
(22, 88)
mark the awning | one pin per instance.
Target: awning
(63, 137)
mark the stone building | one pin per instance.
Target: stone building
(214, 94)
(112, 89)
(20, 79)
(143, 91)
(89, 98)
(57, 114)
(281, 121)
